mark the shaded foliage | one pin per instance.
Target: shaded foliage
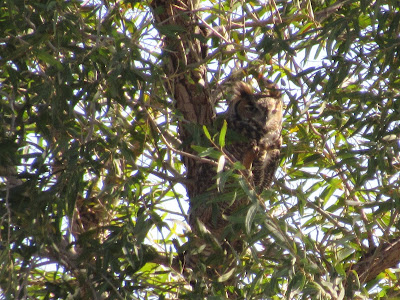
(91, 175)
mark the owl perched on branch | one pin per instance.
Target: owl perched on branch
(254, 139)
(257, 119)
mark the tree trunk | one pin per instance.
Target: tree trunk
(186, 85)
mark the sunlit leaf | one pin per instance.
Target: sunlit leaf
(222, 134)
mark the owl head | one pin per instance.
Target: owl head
(257, 107)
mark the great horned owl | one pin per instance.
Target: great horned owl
(257, 119)
(254, 139)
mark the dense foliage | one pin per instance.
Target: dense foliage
(92, 184)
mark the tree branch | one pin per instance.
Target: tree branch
(377, 260)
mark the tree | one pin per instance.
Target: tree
(105, 112)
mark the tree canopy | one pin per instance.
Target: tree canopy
(107, 115)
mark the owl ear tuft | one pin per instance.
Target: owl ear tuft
(272, 89)
(243, 90)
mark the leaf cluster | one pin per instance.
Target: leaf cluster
(92, 202)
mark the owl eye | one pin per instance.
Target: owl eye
(251, 108)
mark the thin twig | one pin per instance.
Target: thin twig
(169, 146)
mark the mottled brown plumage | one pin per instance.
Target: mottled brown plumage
(257, 118)
(254, 138)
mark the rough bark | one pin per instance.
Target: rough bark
(377, 260)
(187, 86)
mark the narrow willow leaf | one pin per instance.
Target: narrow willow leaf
(203, 152)
(296, 285)
(222, 134)
(251, 213)
(206, 132)
(49, 59)
(226, 276)
(220, 168)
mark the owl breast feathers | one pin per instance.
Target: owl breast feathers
(256, 121)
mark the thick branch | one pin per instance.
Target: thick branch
(377, 260)
(186, 85)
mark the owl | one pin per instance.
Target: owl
(256, 120)
(254, 139)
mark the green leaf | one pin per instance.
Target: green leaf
(49, 59)
(296, 285)
(171, 30)
(222, 134)
(204, 152)
(251, 213)
(206, 132)
(226, 276)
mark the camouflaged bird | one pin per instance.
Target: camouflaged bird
(254, 139)
(257, 117)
